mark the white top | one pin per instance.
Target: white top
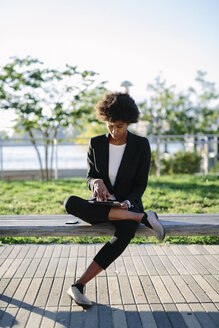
(115, 157)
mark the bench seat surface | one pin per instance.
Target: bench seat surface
(56, 225)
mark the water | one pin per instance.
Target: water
(69, 156)
(25, 157)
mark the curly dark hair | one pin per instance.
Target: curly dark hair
(117, 106)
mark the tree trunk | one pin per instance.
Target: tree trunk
(46, 161)
(38, 153)
(51, 160)
(46, 143)
(52, 153)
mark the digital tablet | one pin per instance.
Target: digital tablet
(112, 203)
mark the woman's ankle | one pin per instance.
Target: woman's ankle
(145, 221)
(80, 287)
(79, 282)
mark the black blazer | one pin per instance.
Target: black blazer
(132, 176)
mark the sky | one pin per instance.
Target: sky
(119, 39)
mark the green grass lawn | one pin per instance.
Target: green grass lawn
(165, 194)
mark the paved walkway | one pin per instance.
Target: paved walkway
(149, 286)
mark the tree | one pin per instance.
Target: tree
(207, 104)
(156, 109)
(191, 111)
(3, 135)
(90, 126)
(195, 111)
(44, 99)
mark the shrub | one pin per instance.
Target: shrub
(182, 162)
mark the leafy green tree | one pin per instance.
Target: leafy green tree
(89, 124)
(207, 104)
(3, 135)
(88, 103)
(44, 100)
(182, 116)
(156, 111)
(166, 111)
(156, 108)
(191, 111)
(195, 111)
(177, 113)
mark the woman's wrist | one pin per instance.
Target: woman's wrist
(95, 181)
(128, 203)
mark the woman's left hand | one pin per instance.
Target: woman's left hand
(124, 206)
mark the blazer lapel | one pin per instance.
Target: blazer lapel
(105, 155)
(125, 159)
(105, 162)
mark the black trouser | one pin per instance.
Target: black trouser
(124, 229)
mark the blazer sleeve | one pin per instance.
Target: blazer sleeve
(91, 171)
(141, 177)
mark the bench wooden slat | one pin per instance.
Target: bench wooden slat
(55, 225)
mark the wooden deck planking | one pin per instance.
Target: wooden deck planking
(147, 318)
(212, 311)
(149, 266)
(178, 264)
(71, 267)
(210, 262)
(111, 270)
(212, 281)
(64, 297)
(120, 267)
(31, 270)
(119, 318)
(161, 269)
(137, 290)
(168, 265)
(139, 265)
(173, 289)
(161, 318)
(148, 286)
(21, 271)
(203, 318)
(174, 316)
(102, 287)
(149, 290)
(55, 292)
(125, 289)
(161, 290)
(114, 291)
(130, 266)
(196, 288)
(44, 292)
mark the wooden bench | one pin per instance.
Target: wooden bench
(60, 225)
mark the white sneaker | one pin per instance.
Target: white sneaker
(78, 297)
(158, 228)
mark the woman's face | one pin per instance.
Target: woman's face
(117, 130)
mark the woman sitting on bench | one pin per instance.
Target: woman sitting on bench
(118, 166)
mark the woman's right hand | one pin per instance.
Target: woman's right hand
(100, 191)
